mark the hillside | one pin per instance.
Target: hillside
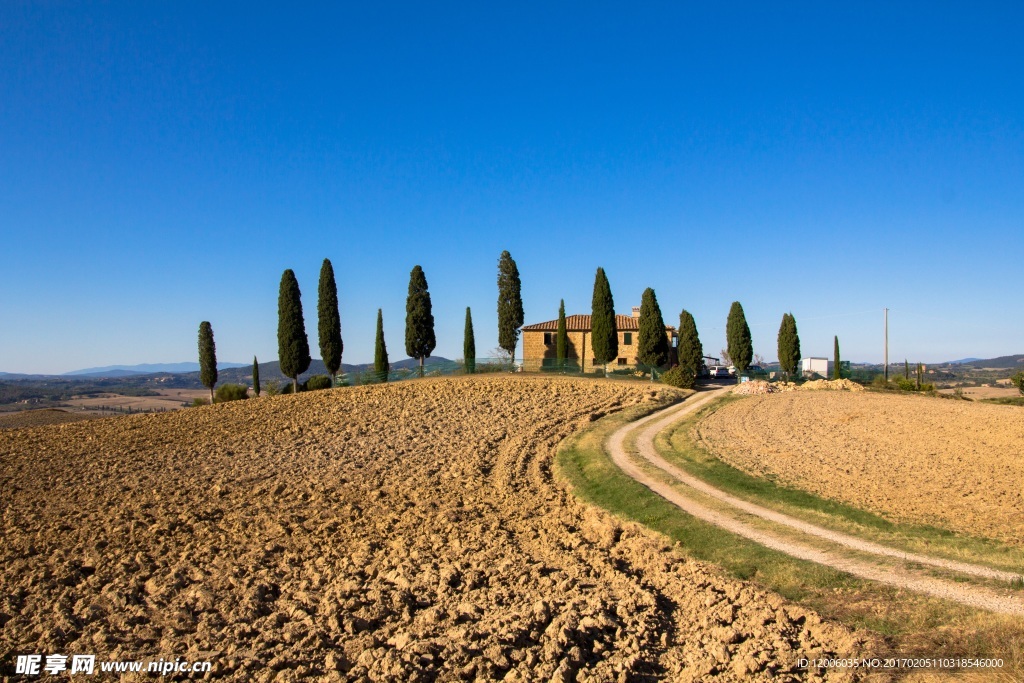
(1008, 362)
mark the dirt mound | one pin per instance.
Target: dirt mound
(403, 532)
(757, 387)
(830, 384)
(39, 418)
(952, 464)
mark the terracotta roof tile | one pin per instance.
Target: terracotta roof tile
(579, 323)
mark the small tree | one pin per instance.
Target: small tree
(1018, 381)
(292, 343)
(255, 376)
(789, 345)
(380, 351)
(737, 335)
(689, 351)
(652, 342)
(561, 337)
(469, 345)
(604, 333)
(510, 304)
(419, 320)
(207, 357)
(836, 372)
(329, 321)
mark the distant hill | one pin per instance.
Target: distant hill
(1008, 362)
(962, 361)
(145, 369)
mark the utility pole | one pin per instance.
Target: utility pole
(887, 345)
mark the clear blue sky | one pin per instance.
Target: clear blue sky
(162, 163)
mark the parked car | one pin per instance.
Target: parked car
(718, 371)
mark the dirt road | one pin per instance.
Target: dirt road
(727, 511)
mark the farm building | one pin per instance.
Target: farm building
(539, 341)
(810, 366)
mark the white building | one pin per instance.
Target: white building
(809, 366)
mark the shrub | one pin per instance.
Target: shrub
(318, 382)
(231, 392)
(1018, 381)
(196, 402)
(879, 382)
(904, 384)
(678, 377)
(273, 389)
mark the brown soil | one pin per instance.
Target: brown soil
(404, 532)
(39, 418)
(951, 464)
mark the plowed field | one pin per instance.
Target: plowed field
(952, 464)
(404, 532)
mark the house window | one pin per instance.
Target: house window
(627, 339)
(549, 338)
(622, 361)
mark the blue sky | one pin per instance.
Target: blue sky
(162, 164)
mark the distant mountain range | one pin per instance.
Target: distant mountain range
(1008, 362)
(144, 369)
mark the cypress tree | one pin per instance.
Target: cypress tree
(510, 304)
(380, 351)
(604, 334)
(419, 321)
(469, 345)
(689, 351)
(329, 321)
(255, 376)
(207, 357)
(652, 343)
(737, 335)
(561, 337)
(836, 374)
(292, 344)
(789, 345)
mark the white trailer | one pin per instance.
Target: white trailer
(810, 366)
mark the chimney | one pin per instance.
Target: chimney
(636, 311)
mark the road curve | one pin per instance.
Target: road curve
(646, 428)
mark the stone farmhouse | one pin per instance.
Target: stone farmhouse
(539, 341)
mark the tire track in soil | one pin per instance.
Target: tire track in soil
(975, 596)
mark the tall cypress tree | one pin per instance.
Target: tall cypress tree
(292, 343)
(689, 351)
(380, 351)
(469, 345)
(561, 337)
(737, 336)
(789, 345)
(836, 372)
(329, 321)
(419, 321)
(652, 343)
(207, 357)
(255, 376)
(604, 333)
(510, 304)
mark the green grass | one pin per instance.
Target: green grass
(907, 623)
(1015, 401)
(678, 447)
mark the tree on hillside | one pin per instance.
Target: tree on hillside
(329, 321)
(510, 304)
(380, 351)
(292, 343)
(469, 345)
(789, 345)
(689, 351)
(255, 376)
(561, 337)
(737, 336)
(419, 321)
(652, 343)
(604, 333)
(836, 373)
(207, 357)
